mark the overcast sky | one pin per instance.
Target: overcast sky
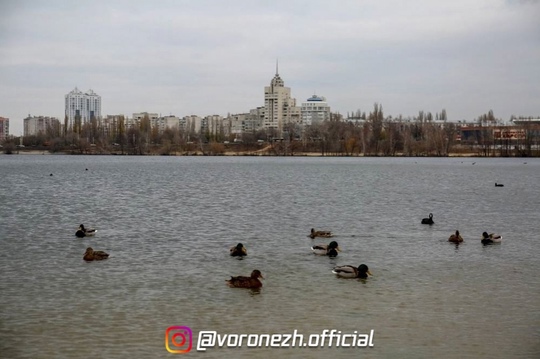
(205, 57)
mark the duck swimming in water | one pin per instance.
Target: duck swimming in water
(491, 238)
(349, 271)
(85, 232)
(455, 238)
(323, 234)
(252, 281)
(238, 251)
(92, 255)
(428, 220)
(330, 249)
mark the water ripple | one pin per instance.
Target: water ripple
(168, 223)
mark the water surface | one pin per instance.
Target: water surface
(168, 223)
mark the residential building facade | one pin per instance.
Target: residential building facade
(237, 124)
(138, 117)
(35, 125)
(113, 125)
(4, 129)
(136, 121)
(213, 125)
(82, 106)
(165, 122)
(279, 107)
(315, 110)
(192, 124)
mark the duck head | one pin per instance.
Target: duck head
(89, 254)
(363, 271)
(256, 274)
(334, 245)
(332, 249)
(485, 235)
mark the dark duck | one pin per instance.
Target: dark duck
(84, 232)
(491, 238)
(251, 282)
(348, 271)
(238, 251)
(330, 249)
(428, 220)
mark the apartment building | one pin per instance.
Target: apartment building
(315, 110)
(35, 125)
(4, 129)
(82, 106)
(279, 107)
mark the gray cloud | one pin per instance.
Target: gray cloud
(214, 57)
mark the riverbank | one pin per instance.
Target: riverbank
(271, 150)
(236, 153)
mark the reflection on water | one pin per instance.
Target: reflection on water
(168, 224)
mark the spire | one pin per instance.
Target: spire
(277, 81)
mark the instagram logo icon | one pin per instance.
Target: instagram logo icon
(178, 339)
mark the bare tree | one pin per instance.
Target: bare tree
(375, 121)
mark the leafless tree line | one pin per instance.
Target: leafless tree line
(370, 134)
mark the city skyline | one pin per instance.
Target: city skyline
(208, 57)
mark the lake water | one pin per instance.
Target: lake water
(168, 224)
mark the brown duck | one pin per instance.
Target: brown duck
(323, 234)
(252, 282)
(456, 238)
(92, 255)
(238, 251)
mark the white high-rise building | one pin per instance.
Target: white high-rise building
(83, 105)
(315, 110)
(4, 128)
(279, 107)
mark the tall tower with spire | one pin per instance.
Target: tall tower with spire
(279, 107)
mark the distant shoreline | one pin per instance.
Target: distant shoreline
(237, 154)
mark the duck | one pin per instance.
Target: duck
(348, 271)
(428, 220)
(92, 255)
(456, 238)
(324, 234)
(238, 251)
(85, 232)
(252, 281)
(330, 249)
(491, 238)
(498, 184)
